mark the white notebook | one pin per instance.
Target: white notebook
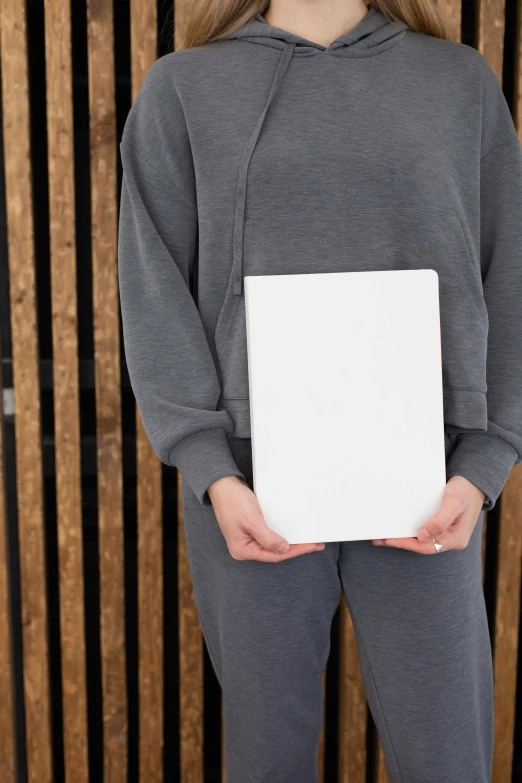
(346, 402)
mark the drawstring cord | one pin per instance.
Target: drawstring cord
(237, 251)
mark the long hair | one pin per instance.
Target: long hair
(209, 20)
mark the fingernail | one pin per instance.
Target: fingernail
(378, 543)
(283, 549)
(424, 535)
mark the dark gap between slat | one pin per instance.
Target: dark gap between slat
(171, 750)
(331, 704)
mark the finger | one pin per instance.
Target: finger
(451, 508)
(267, 538)
(295, 550)
(456, 538)
(412, 544)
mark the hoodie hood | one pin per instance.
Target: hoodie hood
(373, 34)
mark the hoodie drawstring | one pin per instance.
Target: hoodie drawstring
(239, 216)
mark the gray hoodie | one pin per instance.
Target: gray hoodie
(267, 153)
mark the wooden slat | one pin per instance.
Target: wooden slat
(179, 20)
(66, 386)
(7, 735)
(507, 600)
(506, 631)
(144, 40)
(103, 148)
(452, 9)
(381, 771)
(150, 610)
(518, 78)
(22, 288)
(352, 706)
(490, 32)
(190, 636)
(149, 495)
(190, 666)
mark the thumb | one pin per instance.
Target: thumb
(450, 508)
(268, 538)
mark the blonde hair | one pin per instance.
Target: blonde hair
(209, 20)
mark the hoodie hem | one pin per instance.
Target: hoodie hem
(202, 458)
(485, 460)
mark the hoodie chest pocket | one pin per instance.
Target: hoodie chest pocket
(360, 239)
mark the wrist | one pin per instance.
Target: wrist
(223, 484)
(462, 483)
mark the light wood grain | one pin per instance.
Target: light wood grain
(490, 33)
(452, 9)
(103, 147)
(150, 610)
(506, 630)
(352, 706)
(190, 665)
(179, 21)
(490, 42)
(66, 386)
(22, 291)
(149, 495)
(190, 636)
(381, 770)
(7, 728)
(518, 73)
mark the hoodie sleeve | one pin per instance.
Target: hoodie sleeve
(171, 368)
(486, 458)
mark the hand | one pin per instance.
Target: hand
(453, 523)
(244, 527)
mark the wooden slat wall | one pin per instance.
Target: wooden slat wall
(22, 289)
(452, 9)
(103, 149)
(352, 706)
(353, 744)
(190, 666)
(506, 630)
(518, 74)
(149, 496)
(66, 385)
(7, 737)
(190, 637)
(490, 42)
(490, 32)
(381, 771)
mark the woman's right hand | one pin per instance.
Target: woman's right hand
(244, 527)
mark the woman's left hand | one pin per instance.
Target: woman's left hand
(453, 523)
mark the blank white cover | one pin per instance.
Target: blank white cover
(346, 402)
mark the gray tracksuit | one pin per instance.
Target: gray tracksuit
(266, 153)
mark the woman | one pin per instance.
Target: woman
(307, 136)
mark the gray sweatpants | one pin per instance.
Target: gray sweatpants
(422, 636)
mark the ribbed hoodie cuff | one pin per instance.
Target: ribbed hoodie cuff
(203, 458)
(485, 460)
